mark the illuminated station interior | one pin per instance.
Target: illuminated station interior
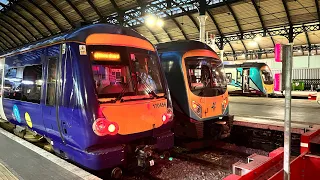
(159, 89)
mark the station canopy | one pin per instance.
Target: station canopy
(243, 28)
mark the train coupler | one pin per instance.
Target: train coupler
(145, 156)
(225, 126)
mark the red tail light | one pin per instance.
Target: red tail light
(102, 127)
(168, 116)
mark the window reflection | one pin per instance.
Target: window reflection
(24, 83)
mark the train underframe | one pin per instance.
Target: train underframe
(139, 153)
(214, 129)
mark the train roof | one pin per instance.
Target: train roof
(246, 64)
(183, 45)
(79, 35)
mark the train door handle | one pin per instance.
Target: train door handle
(64, 124)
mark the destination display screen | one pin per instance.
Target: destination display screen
(105, 56)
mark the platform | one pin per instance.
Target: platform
(303, 111)
(296, 94)
(20, 159)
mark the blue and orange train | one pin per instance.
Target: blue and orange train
(198, 88)
(97, 94)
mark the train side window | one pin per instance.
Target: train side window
(238, 76)
(32, 83)
(51, 81)
(12, 83)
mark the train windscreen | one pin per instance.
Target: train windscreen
(122, 72)
(206, 76)
(266, 75)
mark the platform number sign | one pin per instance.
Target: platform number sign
(280, 54)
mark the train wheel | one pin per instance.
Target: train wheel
(116, 173)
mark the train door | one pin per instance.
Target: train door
(2, 115)
(245, 80)
(50, 110)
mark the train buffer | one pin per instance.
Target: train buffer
(305, 166)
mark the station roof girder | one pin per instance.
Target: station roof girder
(25, 21)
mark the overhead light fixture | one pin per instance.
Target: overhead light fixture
(243, 55)
(150, 20)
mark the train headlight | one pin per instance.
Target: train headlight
(197, 108)
(224, 105)
(103, 127)
(168, 116)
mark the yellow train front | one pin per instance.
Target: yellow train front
(198, 88)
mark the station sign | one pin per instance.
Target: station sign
(278, 52)
(277, 82)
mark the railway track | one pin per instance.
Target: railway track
(223, 155)
(219, 157)
(207, 163)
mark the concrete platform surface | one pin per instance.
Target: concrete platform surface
(20, 159)
(303, 110)
(6, 174)
(304, 94)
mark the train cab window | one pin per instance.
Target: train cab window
(31, 84)
(266, 75)
(112, 79)
(119, 72)
(206, 76)
(12, 83)
(146, 70)
(51, 81)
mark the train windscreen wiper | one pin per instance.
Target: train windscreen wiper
(123, 91)
(148, 87)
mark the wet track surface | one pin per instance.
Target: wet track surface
(303, 110)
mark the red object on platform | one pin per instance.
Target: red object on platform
(312, 96)
(304, 167)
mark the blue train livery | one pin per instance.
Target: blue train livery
(96, 94)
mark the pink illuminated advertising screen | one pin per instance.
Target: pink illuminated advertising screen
(277, 77)
(277, 53)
